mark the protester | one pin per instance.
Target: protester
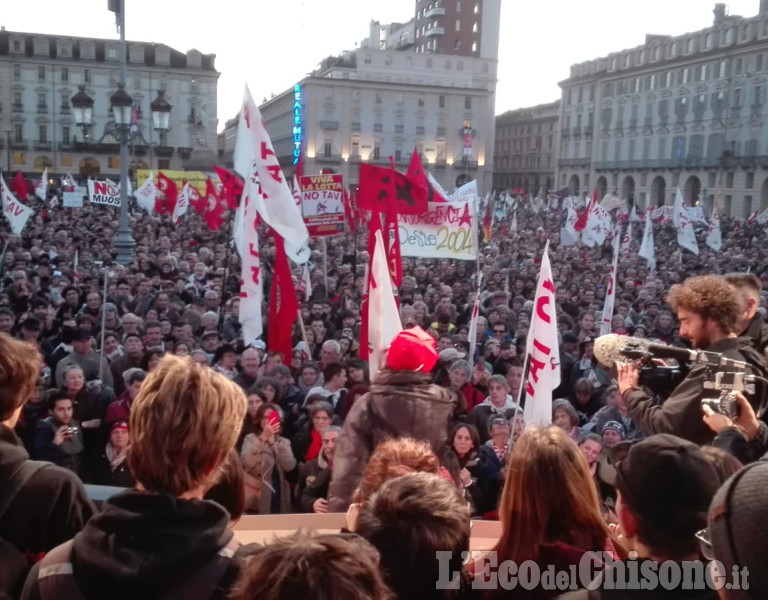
(163, 538)
(111, 468)
(59, 437)
(315, 477)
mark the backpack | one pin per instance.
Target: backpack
(15, 564)
(56, 579)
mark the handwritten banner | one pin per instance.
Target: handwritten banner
(194, 178)
(74, 199)
(104, 192)
(446, 230)
(322, 201)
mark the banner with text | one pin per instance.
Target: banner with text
(322, 202)
(104, 192)
(74, 199)
(446, 230)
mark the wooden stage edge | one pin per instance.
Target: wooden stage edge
(261, 529)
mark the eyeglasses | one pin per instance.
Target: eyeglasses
(705, 544)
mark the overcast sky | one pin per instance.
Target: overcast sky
(272, 44)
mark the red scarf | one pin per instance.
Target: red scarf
(315, 444)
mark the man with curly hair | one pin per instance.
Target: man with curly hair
(709, 312)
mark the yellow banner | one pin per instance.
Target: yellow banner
(195, 178)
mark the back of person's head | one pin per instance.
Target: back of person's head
(229, 490)
(20, 364)
(548, 495)
(410, 520)
(320, 567)
(184, 421)
(393, 458)
(331, 370)
(133, 375)
(737, 531)
(725, 463)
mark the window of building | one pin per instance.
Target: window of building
(737, 98)
(87, 76)
(17, 72)
(41, 100)
(64, 74)
(420, 102)
(327, 149)
(657, 53)
(377, 150)
(18, 133)
(441, 101)
(64, 103)
(65, 135)
(355, 148)
(474, 48)
(474, 27)
(458, 5)
(728, 36)
(759, 62)
(468, 103)
(41, 73)
(378, 97)
(17, 99)
(738, 66)
(16, 46)
(398, 155)
(750, 180)
(42, 134)
(689, 46)
(458, 24)
(111, 53)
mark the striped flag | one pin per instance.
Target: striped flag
(472, 337)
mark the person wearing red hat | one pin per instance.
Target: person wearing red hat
(402, 402)
(110, 468)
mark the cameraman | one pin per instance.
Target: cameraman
(708, 310)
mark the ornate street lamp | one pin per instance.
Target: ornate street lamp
(82, 105)
(161, 115)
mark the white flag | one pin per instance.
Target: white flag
(633, 216)
(256, 161)
(251, 290)
(383, 317)
(472, 337)
(513, 225)
(646, 247)
(610, 294)
(307, 281)
(182, 204)
(297, 192)
(238, 227)
(686, 238)
(14, 211)
(542, 350)
(626, 242)
(762, 218)
(437, 187)
(598, 226)
(714, 239)
(41, 187)
(146, 194)
(54, 201)
(696, 215)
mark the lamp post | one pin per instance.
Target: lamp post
(122, 105)
(161, 117)
(82, 105)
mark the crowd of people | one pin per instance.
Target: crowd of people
(115, 372)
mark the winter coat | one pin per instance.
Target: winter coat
(399, 404)
(259, 461)
(313, 483)
(69, 454)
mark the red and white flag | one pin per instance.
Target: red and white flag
(41, 186)
(626, 242)
(542, 350)
(714, 238)
(182, 203)
(251, 287)
(147, 193)
(14, 211)
(610, 293)
(256, 161)
(646, 247)
(76, 269)
(306, 281)
(383, 317)
(472, 337)
(686, 237)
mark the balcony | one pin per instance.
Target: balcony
(329, 125)
(470, 164)
(588, 130)
(435, 32)
(420, 130)
(18, 107)
(378, 128)
(328, 158)
(565, 132)
(185, 153)
(355, 126)
(42, 108)
(399, 129)
(65, 109)
(164, 151)
(108, 148)
(16, 145)
(574, 162)
(440, 132)
(65, 146)
(82, 146)
(355, 157)
(437, 11)
(440, 163)
(43, 146)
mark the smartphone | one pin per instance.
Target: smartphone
(273, 418)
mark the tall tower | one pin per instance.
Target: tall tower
(460, 27)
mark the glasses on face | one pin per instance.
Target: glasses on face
(705, 544)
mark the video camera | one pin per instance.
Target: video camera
(662, 380)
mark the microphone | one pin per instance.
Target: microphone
(696, 356)
(681, 355)
(610, 348)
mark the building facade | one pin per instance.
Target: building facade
(525, 150)
(458, 27)
(685, 111)
(39, 74)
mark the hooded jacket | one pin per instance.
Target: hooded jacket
(399, 404)
(142, 545)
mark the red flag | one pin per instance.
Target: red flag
(233, 187)
(375, 188)
(374, 226)
(215, 207)
(581, 222)
(20, 187)
(283, 305)
(488, 221)
(196, 201)
(416, 173)
(394, 260)
(170, 193)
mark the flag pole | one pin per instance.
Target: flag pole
(103, 317)
(230, 223)
(303, 330)
(325, 267)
